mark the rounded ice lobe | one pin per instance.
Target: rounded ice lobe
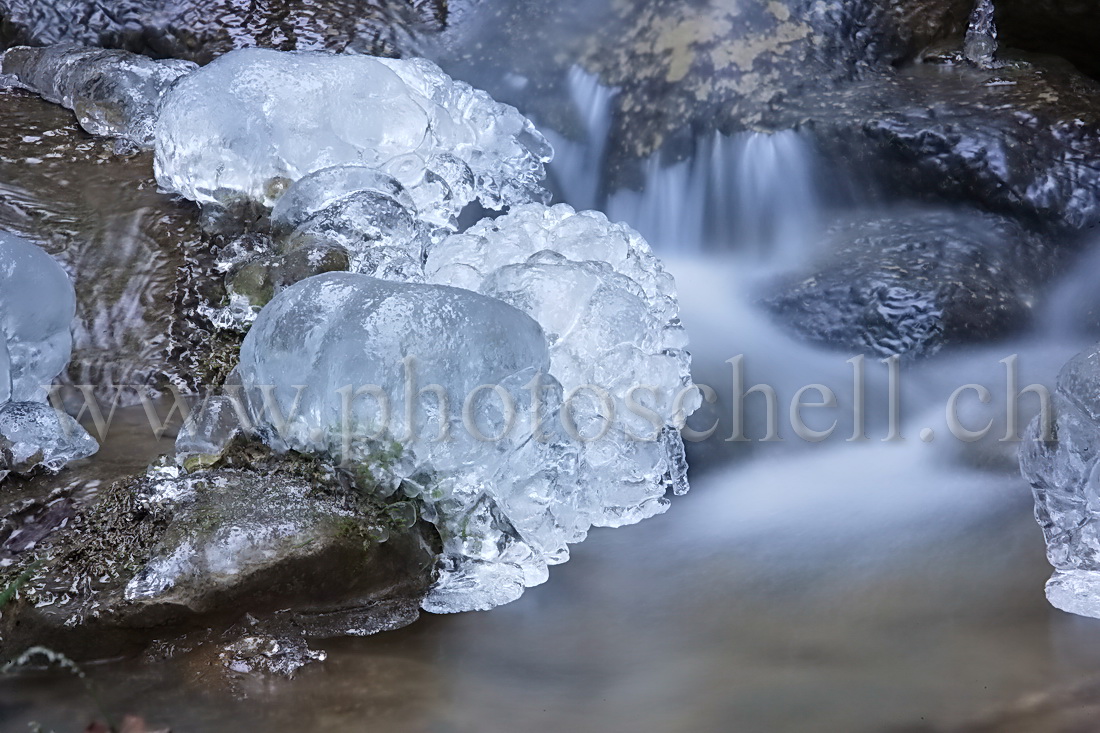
(616, 344)
(339, 329)
(253, 119)
(362, 210)
(37, 306)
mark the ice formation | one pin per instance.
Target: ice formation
(504, 507)
(1062, 462)
(608, 308)
(254, 120)
(37, 306)
(448, 396)
(980, 44)
(366, 212)
(113, 93)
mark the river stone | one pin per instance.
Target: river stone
(286, 542)
(200, 31)
(1022, 140)
(914, 282)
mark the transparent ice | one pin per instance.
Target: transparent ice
(363, 210)
(37, 305)
(113, 93)
(410, 384)
(253, 120)
(609, 311)
(1062, 462)
(980, 44)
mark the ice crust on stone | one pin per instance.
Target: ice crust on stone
(504, 508)
(254, 120)
(1062, 463)
(113, 93)
(609, 311)
(363, 210)
(507, 501)
(33, 434)
(37, 306)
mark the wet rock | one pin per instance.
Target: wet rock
(915, 282)
(101, 217)
(199, 31)
(681, 68)
(290, 542)
(699, 66)
(1023, 139)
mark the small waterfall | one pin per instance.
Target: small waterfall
(980, 46)
(577, 169)
(754, 193)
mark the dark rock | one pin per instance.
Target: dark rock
(702, 66)
(913, 283)
(200, 31)
(290, 546)
(262, 279)
(1022, 140)
(1066, 28)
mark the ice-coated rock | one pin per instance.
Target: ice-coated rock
(442, 394)
(254, 120)
(1061, 460)
(364, 211)
(609, 311)
(37, 305)
(113, 93)
(252, 542)
(33, 434)
(502, 506)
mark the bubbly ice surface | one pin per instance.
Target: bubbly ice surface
(609, 311)
(1062, 463)
(113, 93)
(254, 119)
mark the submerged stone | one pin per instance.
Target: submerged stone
(914, 282)
(288, 541)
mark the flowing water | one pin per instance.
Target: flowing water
(832, 586)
